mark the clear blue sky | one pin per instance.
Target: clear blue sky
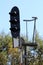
(28, 8)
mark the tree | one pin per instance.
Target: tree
(5, 44)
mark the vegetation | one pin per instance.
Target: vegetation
(10, 54)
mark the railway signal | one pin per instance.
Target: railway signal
(15, 26)
(15, 22)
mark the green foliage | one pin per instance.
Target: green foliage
(5, 43)
(6, 50)
(3, 58)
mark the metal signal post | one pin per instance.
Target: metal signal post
(15, 28)
(34, 31)
(34, 44)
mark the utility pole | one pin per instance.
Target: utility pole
(34, 30)
(26, 29)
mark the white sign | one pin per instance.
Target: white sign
(16, 42)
